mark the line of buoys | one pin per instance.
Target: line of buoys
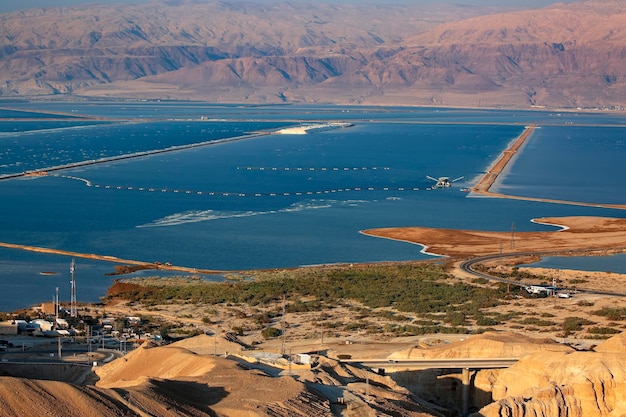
(253, 168)
(238, 194)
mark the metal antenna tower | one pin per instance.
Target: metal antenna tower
(73, 312)
(513, 235)
(56, 308)
(282, 351)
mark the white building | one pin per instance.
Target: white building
(42, 325)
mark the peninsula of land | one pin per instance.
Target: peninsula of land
(576, 234)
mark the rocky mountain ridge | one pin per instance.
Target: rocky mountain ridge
(565, 55)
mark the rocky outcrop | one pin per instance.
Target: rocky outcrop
(576, 384)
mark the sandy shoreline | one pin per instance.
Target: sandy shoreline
(578, 234)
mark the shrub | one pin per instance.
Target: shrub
(486, 321)
(583, 303)
(270, 332)
(456, 318)
(537, 322)
(613, 314)
(603, 330)
(572, 324)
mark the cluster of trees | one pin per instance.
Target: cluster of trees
(413, 298)
(419, 288)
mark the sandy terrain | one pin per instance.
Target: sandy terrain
(576, 234)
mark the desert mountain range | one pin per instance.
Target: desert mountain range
(565, 55)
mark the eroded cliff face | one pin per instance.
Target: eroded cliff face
(553, 384)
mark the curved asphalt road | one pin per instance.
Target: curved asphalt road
(468, 265)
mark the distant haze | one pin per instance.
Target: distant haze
(6, 6)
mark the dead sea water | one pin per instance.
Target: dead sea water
(267, 202)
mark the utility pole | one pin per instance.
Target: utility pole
(513, 235)
(284, 328)
(89, 341)
(73, 312)
(56, 308)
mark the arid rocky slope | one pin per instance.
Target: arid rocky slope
(567, 55)
(576, 384)
(175, 380)
(550, 379)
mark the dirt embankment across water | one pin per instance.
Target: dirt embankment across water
(113, 259)
(486, 182)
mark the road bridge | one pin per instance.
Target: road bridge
(464, 364)
(423, 364)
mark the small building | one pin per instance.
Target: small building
(62, 324)
(8, 327)
(303, 358)
(540, 289)
(48, 308)
(42, 325)
(22, 325)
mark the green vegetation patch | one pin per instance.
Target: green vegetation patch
(407, 287)
(603, 330)
(613, 314)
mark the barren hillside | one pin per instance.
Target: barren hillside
(566, 55)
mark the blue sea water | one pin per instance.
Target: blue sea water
(270, 201)
(576, 163)
(612, 263)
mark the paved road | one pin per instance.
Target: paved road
(421, 364)
(468, 266)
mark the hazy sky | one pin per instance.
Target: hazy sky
(12, 5)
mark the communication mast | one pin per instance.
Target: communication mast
(73, 312)
(56, 307)
(513, 235)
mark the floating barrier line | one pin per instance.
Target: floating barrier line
(253, 168)
(235, 194)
